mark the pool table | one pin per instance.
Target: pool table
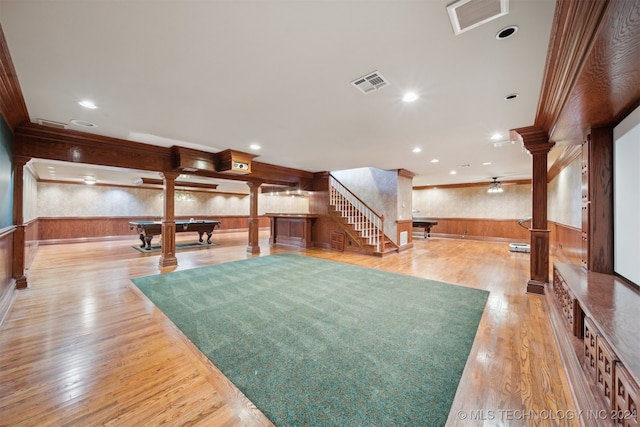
(148, 229)
(424, 223)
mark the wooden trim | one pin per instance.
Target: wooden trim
(6, 231)
(474, 184)
(569, 154)
(291, 215)
(12, 106)
(406, 173)
(591, 76)
(181, 184)
(572, 36)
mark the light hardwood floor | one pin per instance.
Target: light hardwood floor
(82, 346)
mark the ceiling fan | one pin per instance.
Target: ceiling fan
(495, 186)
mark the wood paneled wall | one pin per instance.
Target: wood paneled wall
(87, 228)
(31, 241)
(565, 242)
(481, 229)
(7, 283)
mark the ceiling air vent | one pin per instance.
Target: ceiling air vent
(468, 14)
(371, 82)
(52, 124)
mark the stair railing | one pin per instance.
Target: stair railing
(362, 218)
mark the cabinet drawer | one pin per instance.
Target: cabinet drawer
(605, 370)
(589, 339)
(626, 398)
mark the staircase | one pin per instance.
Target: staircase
(359, 221)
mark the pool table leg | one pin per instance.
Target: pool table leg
(147, 239)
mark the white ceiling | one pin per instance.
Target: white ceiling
(214, 75)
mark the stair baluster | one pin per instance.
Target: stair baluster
(357, 214)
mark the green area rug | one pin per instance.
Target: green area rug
(320, 343)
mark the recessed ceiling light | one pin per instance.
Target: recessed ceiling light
(89, 180)
(417, 150)
(88, 104)
(255, 146)
(82, 123)
(511, 96)
(507, 32)
(486, 163)
(434, 160)
(496, 136)
(410, 97)
(453, 172)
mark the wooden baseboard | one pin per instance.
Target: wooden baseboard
(405, 247)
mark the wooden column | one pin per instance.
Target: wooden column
(168, 257)
(537, 143)
(254, 226)
(18, 264)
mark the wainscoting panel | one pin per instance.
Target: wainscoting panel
(88, 228)
(31, 241)
(565, 242)
(7, 284)
(481, 229)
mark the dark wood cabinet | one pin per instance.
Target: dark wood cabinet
(589, 340)
(602, 358)
(605, 369)
(291, 229)
(597, 201)
(626, 398)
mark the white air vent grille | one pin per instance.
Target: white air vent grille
(468, 14)
(52, 124)
(371, 82)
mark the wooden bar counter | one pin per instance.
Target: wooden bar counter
(291, 229)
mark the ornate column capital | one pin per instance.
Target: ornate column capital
(534, 139)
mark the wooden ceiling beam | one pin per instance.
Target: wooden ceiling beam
(43, 142)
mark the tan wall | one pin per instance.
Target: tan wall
(564, 204)
(80, 200)
(474, 202)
